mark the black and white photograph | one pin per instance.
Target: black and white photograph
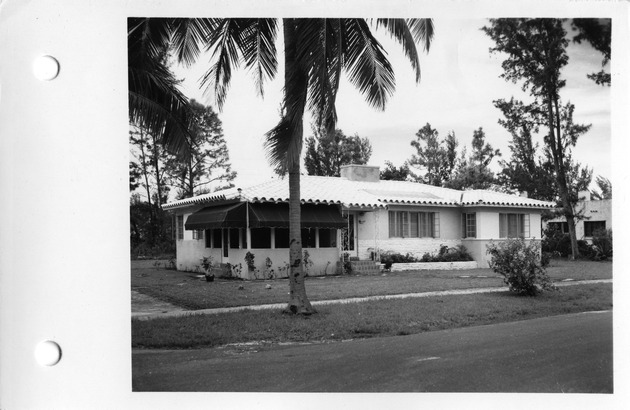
(212, 205)
(361, 205)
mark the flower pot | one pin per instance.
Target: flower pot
(209, 275)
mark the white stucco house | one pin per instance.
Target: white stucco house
(355, 213)
(597, 214)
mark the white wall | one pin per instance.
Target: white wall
(488, 230)
(376, 225)
(488, 221)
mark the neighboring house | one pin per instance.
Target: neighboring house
(597, 215)
(355, 213)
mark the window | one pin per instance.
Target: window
(308, 237)
(282, 238)
(469, 225)
(261, 238)
(216, 239)
(208, 236)
(327, 238)
(235, 238)
(559, 226)
(180, 226)
(513, 225)
(198, 234)
(592, 226)
(403, 224)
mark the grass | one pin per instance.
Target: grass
(367, 319)
(186, 290)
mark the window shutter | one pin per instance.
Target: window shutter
(392, 224)
(526, 232)
(436, 224)
(463, 222)
(413, 228)
(405, 224)
(502, 225)
(471, 227)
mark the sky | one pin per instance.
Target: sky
(460, 79)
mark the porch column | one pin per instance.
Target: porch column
(248, 232)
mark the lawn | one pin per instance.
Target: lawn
(187, 290)
(367, 319)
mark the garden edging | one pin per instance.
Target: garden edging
(397, 267)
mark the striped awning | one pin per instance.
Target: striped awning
(276, 215)
(222, 216)
(264, 215)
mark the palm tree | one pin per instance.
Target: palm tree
(316, 51)
(155, 102)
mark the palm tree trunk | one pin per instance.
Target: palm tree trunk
(298, 301)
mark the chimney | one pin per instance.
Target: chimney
(584, 195)
(524, 194)
(367, 173)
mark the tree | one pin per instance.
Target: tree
(151, 167)
(435, 157)
(209, 160)
(535, 52)
(393, 173)
(316, 51)
(597, 32)
(605, 188)
(526, 170)
(474, 172)
(326, 152)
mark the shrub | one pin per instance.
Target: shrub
(602, 244)
(389, 257)
(555, 242)
(446, 254)
(347, 265)
(520, 265)
(586, 250)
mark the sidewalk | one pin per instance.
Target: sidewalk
(145, 307)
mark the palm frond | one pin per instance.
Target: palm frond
(156, 105)
(148, 37)
(318, 53)
(155, 102)
(283, 143)
(422, 30)
(224, 39)
(399, 29)
(259, 50)
(366, 64)
(187, 36)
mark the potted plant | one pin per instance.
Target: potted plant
(206, 265)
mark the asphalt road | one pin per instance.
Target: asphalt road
(569, 353)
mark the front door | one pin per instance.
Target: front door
(226, 244)
(348, 236)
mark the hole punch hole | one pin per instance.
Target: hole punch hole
(47, 353)
(46, 68)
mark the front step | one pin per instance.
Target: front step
(365, 267)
